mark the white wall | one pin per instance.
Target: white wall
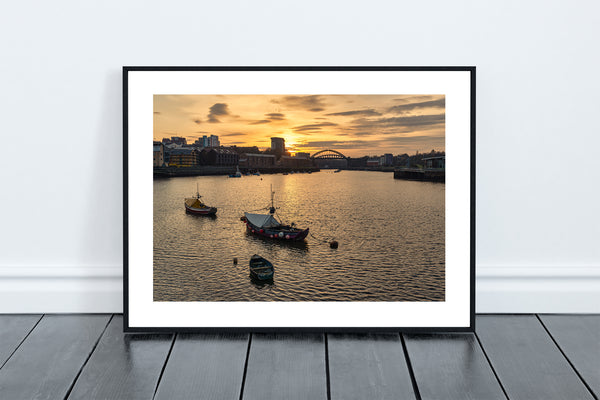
(538, 97)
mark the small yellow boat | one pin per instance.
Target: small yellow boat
(194, 205)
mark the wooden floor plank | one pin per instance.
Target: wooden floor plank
(205, 366)
(13, 329)
(579, 338)
(46, 364)
(286, 366)
(526, 360)
(123, 366)
(368, 366)
(451, 366)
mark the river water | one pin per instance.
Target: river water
(391, 239)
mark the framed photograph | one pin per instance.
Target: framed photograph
(299, 198)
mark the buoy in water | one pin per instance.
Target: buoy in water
(333, 244)
(235, 260)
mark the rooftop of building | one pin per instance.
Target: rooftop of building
(435, 158)
(182, 150)
(259, 155)
(221, 150)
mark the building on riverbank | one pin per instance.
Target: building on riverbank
(373, 162)
(386, 159)
(294, 162)
(208, 141)
(158, 154)
(219, 156)
(434, 170)
(278, 145)
(256, 161)
(178, 140)
(183, 157)
(435, 162)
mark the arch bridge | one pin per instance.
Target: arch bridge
(328, 154)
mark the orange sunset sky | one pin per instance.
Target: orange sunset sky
(356, 125)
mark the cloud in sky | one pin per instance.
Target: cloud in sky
(216, 110)
(406, 108)
(416, 121)
(363, 133)
(270, 117)
(328, 144)
(233, 134)
(414, 99)
(359, 124)
(377, 146)
(419, 138)
(368, 113)
(314, 103)
(312, 127)
(275, 116)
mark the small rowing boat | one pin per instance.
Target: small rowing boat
(261, 268)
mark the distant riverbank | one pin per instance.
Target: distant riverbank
(380, 169)
(204, 170)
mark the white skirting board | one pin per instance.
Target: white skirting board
(518, 290)
(498, 289)
(61, 289)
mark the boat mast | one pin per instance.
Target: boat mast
(272, 209)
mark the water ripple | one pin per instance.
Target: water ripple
(391, 236)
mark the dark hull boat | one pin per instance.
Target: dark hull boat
(267, 226)
(202, 210)
(261, 268)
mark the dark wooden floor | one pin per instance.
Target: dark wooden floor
(510, 356)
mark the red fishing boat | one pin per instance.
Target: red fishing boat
(267, 226)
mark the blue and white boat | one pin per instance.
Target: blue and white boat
(237, 174)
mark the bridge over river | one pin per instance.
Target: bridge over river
(329, 159)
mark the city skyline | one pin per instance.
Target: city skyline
(353, 124)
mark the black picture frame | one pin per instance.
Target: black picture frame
(127, 70)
